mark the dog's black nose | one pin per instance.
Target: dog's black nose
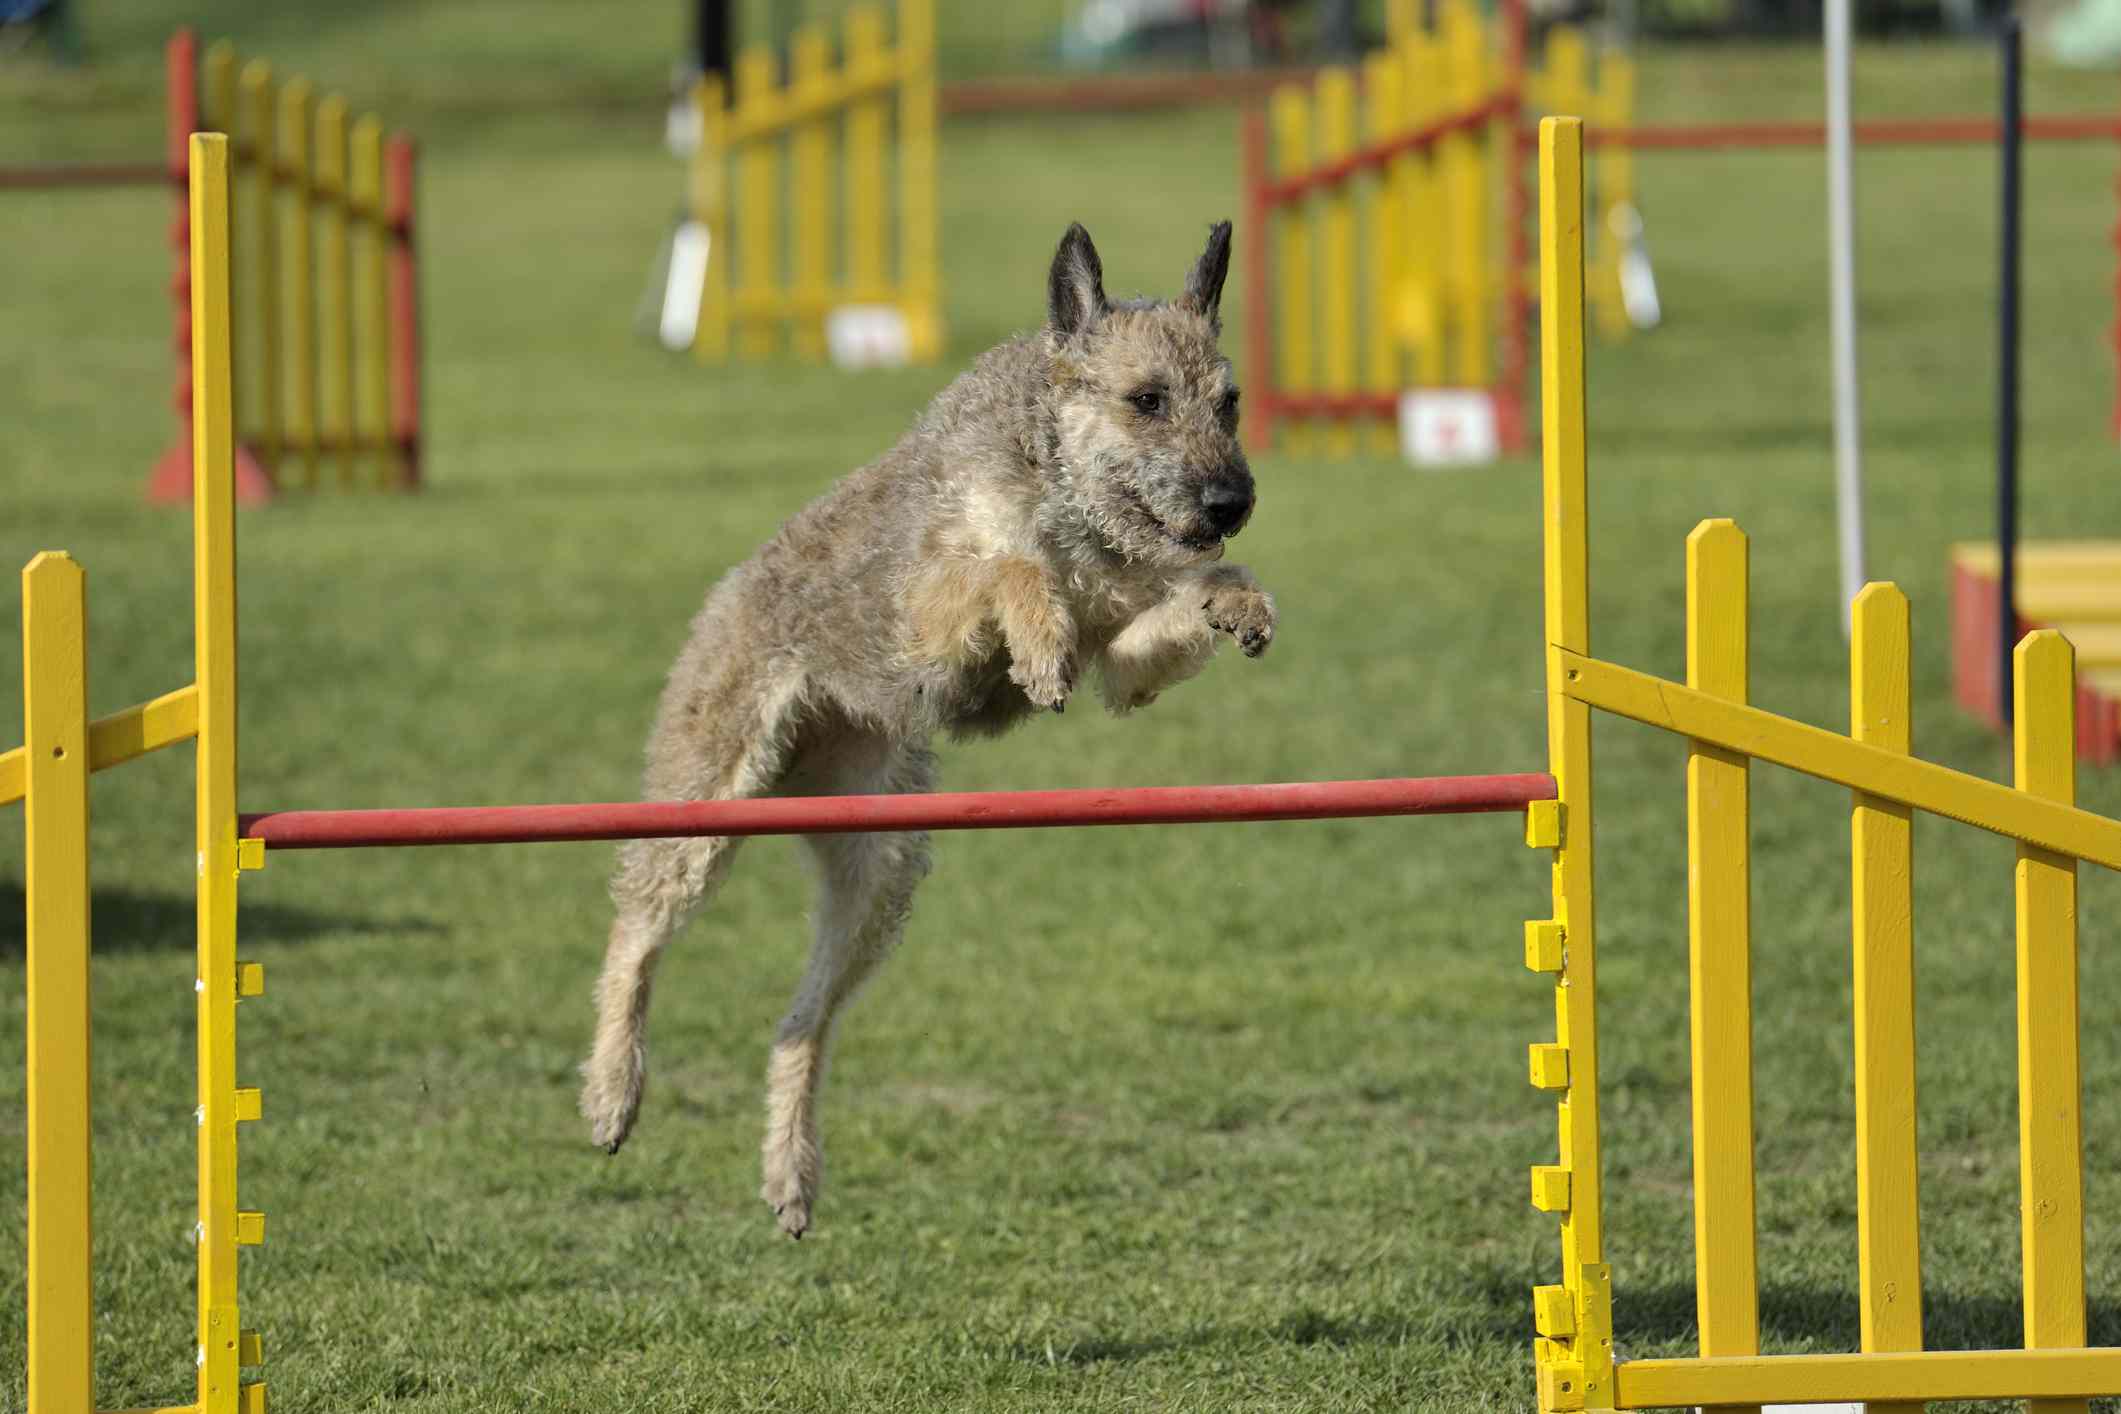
(1226, 503)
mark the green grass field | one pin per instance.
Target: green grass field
(1203, 1118)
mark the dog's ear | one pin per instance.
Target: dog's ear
(1075, 290)
(1204, 282)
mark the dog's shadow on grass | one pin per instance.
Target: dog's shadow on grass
(1500, 1312)
(131, 921)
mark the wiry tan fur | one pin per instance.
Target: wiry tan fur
(1062, 505)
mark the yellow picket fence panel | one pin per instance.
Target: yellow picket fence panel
(1388, 194)
(792, 181)
(325, 302)
(1577, 1366)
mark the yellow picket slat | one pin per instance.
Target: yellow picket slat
(1383, 118)
(335, 306)
(301, 422)
(1421, 300)
(261, 121)
(55, 880)
(1335, 214)
(1719, 952)
(1289, 112)
(2050, 1099)
(866, 279)
(810, 187)
(371, 421)
(919, 264)
(1888, 1225)
(758, 206)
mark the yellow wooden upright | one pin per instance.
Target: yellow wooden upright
(1383, 118)
(1888, 1225)
(1289, 112)
(260, 124)
(335, 349)
(296, 118)
(866, 257)
(221, 1225)
(56, 750)
(1464, 159)
(920, 275)
(372, 294)
(1422, 299)
(710, 208)
(758, 253)
(1575, 1319)
(1336, 251)
(1719, 952)
(810, 189)
(2050, 1102)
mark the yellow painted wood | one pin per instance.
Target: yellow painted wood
(250, 1398)
(1542, 824)
(2050, 1098)
(1465, 162)
(1289, 114)
(1549, 1066)
(335, 357)
(250, 1105)
(1543, 940)
(159, 1409)
(118, 738)
(758, 205)
(250, 1228)
(710, 207)
(214, 639)
(1909, 780)
(866, 161)
(1335, 214)
(1553, 1316)
(1719, 952)
(1402, 21)
(372, 293)
(260, 245)
(55, 738)
(920, 276)
(1421, 298)
(1888, 1223)
(1910, 1375)
(810, 189)
(1588, 1355)
(300, 444)
(1550, 1188)
(1383, 118)
(250, 979)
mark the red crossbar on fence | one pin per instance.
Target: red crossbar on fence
(1380, 153)
(855, 814)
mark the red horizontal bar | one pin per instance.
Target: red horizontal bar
(1377, 154)
(1906, 132)
(854, 814)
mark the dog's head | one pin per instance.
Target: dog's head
(1145, 410)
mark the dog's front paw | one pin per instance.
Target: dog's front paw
(1246, 613)
(1046, 679)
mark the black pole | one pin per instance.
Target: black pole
(710, 37)
(2011, 135)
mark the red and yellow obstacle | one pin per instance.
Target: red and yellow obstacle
(325, 310)
(1578, 1368)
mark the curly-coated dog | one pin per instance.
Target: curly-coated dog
(1061, 505)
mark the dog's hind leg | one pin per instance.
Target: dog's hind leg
(714, 743)
(864, 892)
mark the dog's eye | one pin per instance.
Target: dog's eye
(1227, 407)
(1148, 402)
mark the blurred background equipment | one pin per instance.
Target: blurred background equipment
(1398, 258)
(326, 299)
(794, 223)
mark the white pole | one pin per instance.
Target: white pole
(1841, 261)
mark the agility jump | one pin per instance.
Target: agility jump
(326, 320)
(1573, 1318)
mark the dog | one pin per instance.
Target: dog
(1062, 505)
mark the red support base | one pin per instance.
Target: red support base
(1974, 684)
(170, 483)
